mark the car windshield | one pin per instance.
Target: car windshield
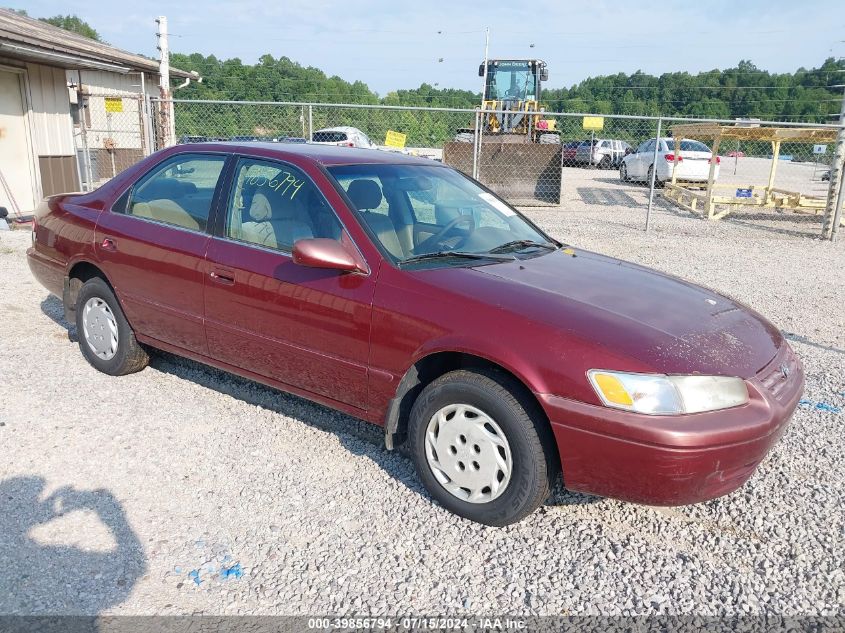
(329, 136)
(417, 211)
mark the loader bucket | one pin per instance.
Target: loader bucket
(524, 174)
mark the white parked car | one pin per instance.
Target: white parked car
(693, 162)
(344, 136)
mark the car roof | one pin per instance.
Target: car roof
(339, 128)
(322, 154)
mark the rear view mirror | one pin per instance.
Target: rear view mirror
(322, 252)
(413, 183)
(629, 150)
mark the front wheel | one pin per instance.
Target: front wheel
(105, 337)
(481, 447)
(623, 173)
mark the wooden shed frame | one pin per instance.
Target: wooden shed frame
(763, 196)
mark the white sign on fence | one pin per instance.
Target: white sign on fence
(819, 149)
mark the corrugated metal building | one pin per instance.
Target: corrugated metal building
(45, 72)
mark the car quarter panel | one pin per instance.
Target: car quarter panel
(64, 235)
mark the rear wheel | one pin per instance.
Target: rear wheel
(479, 447)
(657, 182)
(105, 337)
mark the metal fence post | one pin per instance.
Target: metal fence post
(833, 210)
(476, 144)
(653, 174)
(149, 135)
(310, 122)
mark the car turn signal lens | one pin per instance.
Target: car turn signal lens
(657, 394)
(613, 389)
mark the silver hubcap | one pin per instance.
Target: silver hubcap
(468, 453)
(100, 328)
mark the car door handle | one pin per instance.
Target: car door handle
(109, 244)
(220, 278)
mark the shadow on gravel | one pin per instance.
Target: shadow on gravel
(799, 338)
(52, 307)
(357, 436)
(72, 579)
(348, 429)
(803, 225)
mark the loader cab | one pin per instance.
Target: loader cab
(512, 80)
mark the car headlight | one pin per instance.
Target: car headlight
(657, 394)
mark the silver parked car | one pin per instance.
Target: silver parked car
(605, 153)
(343, 135)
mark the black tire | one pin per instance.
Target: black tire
(523, 425)
(604, 163)
(658, 184)
(129, 356)
(623, 173)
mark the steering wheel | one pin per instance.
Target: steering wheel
(440, 236)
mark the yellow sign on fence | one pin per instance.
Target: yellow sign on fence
(395, 139)
(114, 104)
(593, 122)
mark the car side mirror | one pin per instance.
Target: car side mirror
(629, 150)
(323, 252)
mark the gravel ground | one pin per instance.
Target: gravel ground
(184, 490)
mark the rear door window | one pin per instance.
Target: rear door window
(693, 146)
(329, 137)
(178, 192)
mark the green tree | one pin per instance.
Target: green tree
(74, 24)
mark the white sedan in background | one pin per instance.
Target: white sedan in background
(693, 162)
(342, 135)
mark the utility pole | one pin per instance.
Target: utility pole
(480, 117)
(486, 55)
(833, 212)
(166, 124)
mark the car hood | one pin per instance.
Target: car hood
(669, 324)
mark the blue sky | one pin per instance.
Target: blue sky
(392, 45)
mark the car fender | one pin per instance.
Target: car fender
(494, 352)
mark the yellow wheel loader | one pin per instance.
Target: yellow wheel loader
(520, 151)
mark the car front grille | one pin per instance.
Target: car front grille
(781, 373)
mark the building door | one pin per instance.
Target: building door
(15, 158)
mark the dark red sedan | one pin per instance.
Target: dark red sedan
(402, 292)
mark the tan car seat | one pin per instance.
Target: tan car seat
(274, 227)
(165, 211)
(258, 229)
(366, 195)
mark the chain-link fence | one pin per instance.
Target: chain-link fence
(578, 161)
(111, 133)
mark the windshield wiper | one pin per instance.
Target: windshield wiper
(457, 254)
(520, 244)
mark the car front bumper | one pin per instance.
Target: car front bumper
(674, 460)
